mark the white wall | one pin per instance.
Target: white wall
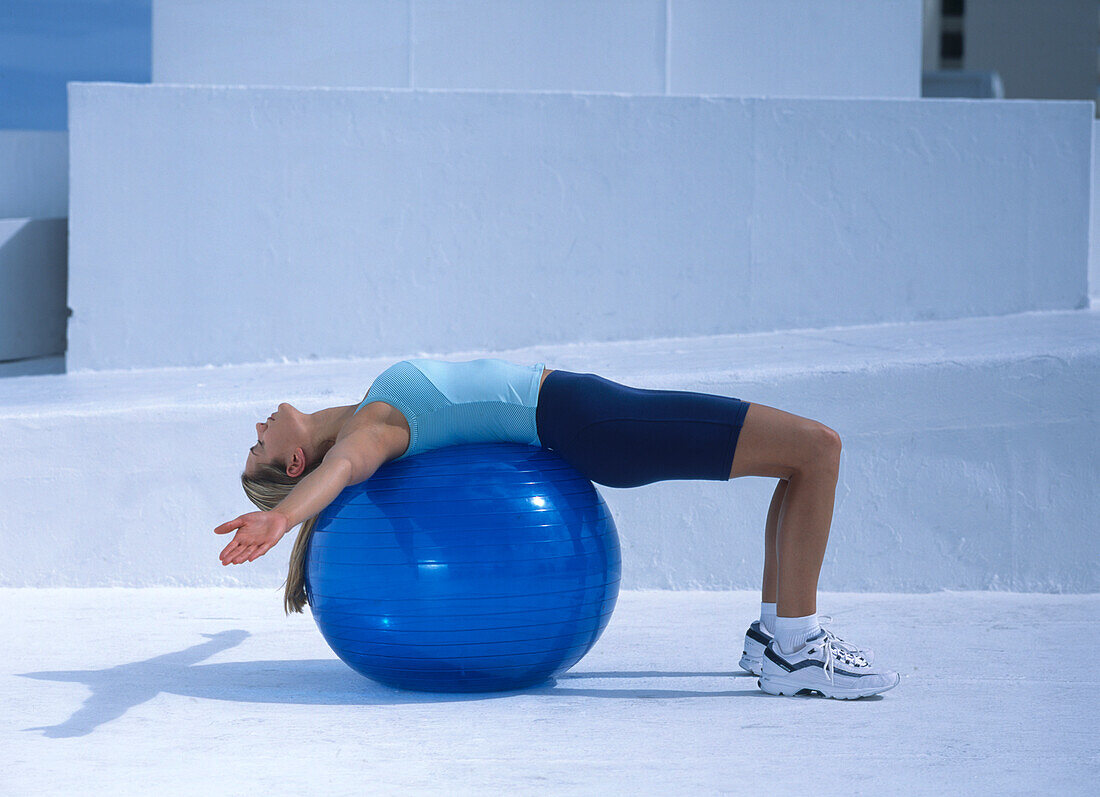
(220, 225)
(793, 48)
(1094, 232)
(32, 287)
(969, 459)
(778, 48)
(281, 42)
(34, 199)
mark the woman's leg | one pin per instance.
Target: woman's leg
(806, 454)
(771, 570)
(623, 436)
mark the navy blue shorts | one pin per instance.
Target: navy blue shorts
(623, 436)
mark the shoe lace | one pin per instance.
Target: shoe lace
(836, 648)
(868, 655)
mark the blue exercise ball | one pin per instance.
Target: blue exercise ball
(471, 568)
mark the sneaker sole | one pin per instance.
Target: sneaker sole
(772, 687)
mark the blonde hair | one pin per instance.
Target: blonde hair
(266, 491)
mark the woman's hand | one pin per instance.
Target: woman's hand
(257, 533)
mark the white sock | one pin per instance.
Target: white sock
(791, 633)
(767, 617)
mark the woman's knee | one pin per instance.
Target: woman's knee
(824, 451)
(778, 443)
(818, 450)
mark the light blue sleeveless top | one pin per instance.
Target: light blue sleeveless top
(449, 403)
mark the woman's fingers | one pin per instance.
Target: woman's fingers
(233, 557)
(259, 550)
(231, 551)
(252, 525)
(247, 553)
(228, 526)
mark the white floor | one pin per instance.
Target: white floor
(213, 691)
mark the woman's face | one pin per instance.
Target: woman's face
(278, 438)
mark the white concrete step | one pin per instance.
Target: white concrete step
(33, 276)
(221, 225)
(1094, 220)
(773, 48)
(969, 458)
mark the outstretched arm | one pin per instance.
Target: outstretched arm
(351, 460)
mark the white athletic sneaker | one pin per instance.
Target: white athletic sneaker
(757, 638)
(827, 665)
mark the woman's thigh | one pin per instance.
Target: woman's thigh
(623, 436)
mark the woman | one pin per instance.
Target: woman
(615, 435)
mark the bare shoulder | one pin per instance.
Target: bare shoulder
(379, 425)
(363, 445)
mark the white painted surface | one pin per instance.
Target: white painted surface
(33, 314)
(220, 225)
(969, 459)
(1094, 229)
(281, 42)
(777, 48)
(791, 48)
(34, 174)
(185, 692)
(529, 45)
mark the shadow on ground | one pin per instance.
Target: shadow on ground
(115, 690)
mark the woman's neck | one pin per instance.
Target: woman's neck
(326, 424)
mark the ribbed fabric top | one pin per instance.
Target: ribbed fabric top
(449, 403)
